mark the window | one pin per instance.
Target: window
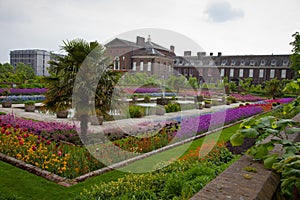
(262, 62)
(231, 72)
(209, 72)
(241, 74)
(223, 62)
(272, 73)
(149, 67)
(252, 63)
(261, 73)
(211, 63)
(141, 66)
(273, 62)
(232, 62)
(200, 63)
(116, 63)
(250, 73)
(222, 72)
(242, 62)
(285, 63)
(283, 73)
(134, 66)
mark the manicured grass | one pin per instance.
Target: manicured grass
(21, 184)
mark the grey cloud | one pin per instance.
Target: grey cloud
(222, 11)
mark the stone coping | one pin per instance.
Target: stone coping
(236, 183)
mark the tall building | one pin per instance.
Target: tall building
(36, 58)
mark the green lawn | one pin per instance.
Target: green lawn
(15, 182)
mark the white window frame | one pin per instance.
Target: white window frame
(251, 73)
(263, 62)
(134, 66)
(233, 63)
(222, 72)
(241, 73)
(283, 73)
(252, 63)
(231, 73)
(272, 73)
(149, 67)
(261, 73)
(141, 66)
(242, 63)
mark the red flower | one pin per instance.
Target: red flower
(48, 142)
(21, 142)
(33, 148)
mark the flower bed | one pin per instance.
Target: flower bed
(247, 97)
(23, 98)
(53, 131)
(28, 91)
(62, 159)
(179, 180)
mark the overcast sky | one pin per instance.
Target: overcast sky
(229, 26)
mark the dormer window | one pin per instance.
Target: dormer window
(232, 62)
(252, 63)
(285, 63)
(262, 62)
(273, 62)
(242, 62)
(223, 62)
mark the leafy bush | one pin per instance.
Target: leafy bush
(136, 111)
(172, 107)
(231, 99)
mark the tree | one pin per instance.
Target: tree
(295, 57)
(24, 72)
(274, 88)
(193, 82)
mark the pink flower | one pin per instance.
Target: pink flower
(59, 153)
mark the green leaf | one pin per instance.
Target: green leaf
(261, 151)
(284, 122)
(270, 160)
(293, 130)
(249, 133)
(291, 172)
(237, 139)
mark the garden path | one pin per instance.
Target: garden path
(17, 110)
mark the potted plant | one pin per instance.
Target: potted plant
(207, 103)
(62, 111)
(147, 99)
(29, 106)
(6, 103)
(199, 105)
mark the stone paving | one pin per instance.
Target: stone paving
(18, 110)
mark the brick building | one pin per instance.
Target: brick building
(151, 58)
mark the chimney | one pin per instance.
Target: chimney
(187, 53)
(140, 41)
(172, 48)
(211, 54)
(219, 54)
(201, 54)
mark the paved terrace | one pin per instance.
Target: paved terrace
(18, 110)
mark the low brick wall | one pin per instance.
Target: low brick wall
(237, 184)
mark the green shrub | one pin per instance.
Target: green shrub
(29, 103)
(172, 107)
(136, 111)
(231, 99)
